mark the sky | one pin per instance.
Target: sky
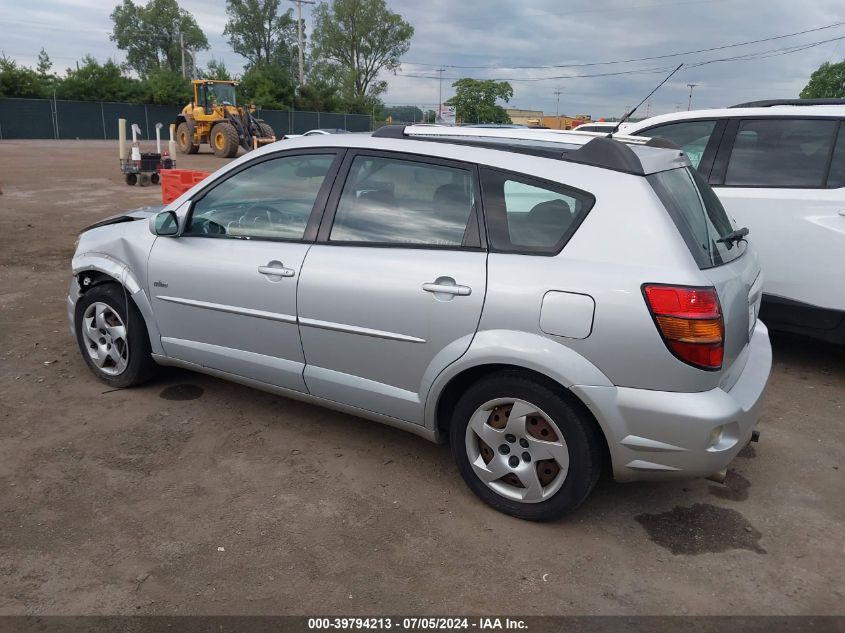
(507, 38)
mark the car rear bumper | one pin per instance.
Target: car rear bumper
(72, 297)
(654, 435)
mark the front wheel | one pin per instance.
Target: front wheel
(224, 140)
(524, 449)
(112, 336)
(185, 140)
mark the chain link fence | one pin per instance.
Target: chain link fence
(55, 119)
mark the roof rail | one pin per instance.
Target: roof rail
(767, 103)
(598, 151)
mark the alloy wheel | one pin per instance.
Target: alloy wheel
(105, 338)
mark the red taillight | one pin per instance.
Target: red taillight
(690, 321)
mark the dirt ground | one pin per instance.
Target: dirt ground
(193, 495)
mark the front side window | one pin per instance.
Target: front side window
(691, 136)
(394, 201)
(525, 215)
(272, 199)
(780, 153)
(699, 215)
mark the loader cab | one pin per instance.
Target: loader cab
(209, 95)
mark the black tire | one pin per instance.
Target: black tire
(578, 430)
(131, 179)
(155, 178)
(224, 140)
(184, 139)
(266, 130)
(140, 366)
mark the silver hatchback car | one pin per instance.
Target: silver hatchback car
(551, 303)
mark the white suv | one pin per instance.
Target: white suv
(779, 169)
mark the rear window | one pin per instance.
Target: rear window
(698, 214)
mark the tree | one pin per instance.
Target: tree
(93, 81)
(150, 34)
(430, 116)
(216, 70)
(828, 81)
(44, 63)
(268, 86)
(20, 81)
(475, 100)
(167, 87)
(318, 96)
(404, 114)
(356, 40)
(259, 32)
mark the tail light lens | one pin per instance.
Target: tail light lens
(690, 321)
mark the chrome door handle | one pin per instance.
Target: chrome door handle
(276, 271)
(448, 289)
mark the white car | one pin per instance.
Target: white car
(318, 132)
(597, 126)
(779, 169)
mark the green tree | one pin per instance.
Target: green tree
(217, 70)
(167, 87)
(404, 114)
(319, 96)
(93, 81)
(44, 63)
(150, 35)
(475, 100)
(430, 116)
(356, 40)
(268, 86)
(20, 81)
(828, 81)
(259, 32)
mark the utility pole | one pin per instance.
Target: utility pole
(182, 47)
(299, 4)
(440, 70)
(558, 92)
(689, 103)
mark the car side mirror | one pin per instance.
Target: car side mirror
(164, 224)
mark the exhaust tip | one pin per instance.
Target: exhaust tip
(719, 477)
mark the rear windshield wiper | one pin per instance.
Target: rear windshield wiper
(734, 237)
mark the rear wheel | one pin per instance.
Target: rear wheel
(224, 140)
(524, 449)
(185, 141)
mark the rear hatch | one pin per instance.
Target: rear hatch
(731, 266)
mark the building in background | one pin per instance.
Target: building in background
(524, 117)
(564, 122)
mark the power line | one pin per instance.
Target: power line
(637, 59)
(776, 52)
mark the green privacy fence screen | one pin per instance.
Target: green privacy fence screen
(52, 119)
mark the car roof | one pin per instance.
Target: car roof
(736, 112)
(633, 155)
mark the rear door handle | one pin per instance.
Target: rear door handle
(447, 288)
(276, 269)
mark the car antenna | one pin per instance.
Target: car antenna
(627, 115)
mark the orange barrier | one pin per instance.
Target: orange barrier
(175, 182)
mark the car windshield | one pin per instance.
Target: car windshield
(698, 214)
(220, 94)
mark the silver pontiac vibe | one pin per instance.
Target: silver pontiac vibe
(549, 302)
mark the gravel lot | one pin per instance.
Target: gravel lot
(193, 495)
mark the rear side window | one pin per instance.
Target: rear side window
(836, 178)
(395, 201)
(698, 214)
(691, 136)
(525, 215)
(781, 153)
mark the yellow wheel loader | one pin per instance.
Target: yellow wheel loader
(214, 117)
